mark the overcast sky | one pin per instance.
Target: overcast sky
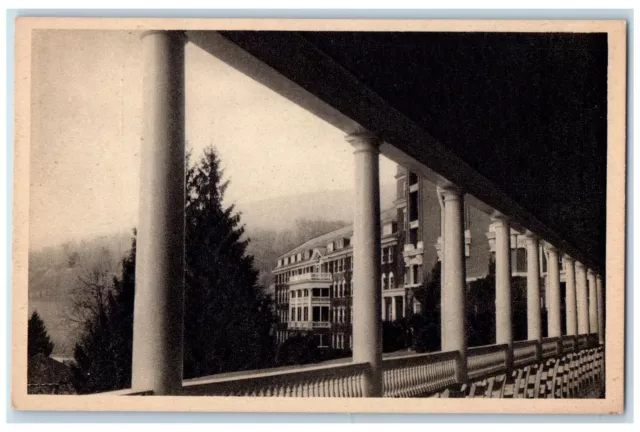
(86, 130)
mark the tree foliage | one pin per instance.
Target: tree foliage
(38, 341)
(103, 354)
(228, 318)
(425, 326)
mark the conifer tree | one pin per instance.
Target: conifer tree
(228, 318)
(38, 341)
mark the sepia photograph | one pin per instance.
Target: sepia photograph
(319, 215)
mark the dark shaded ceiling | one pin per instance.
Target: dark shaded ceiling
(526, 111)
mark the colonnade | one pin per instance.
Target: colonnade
(584, 302)
(158, 314)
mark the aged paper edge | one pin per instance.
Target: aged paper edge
(615, 243)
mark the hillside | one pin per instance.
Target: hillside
(55, 272)
(273, 226)
(282, 212)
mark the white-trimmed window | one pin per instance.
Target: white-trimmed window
(391, 281)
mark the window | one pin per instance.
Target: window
(306, 293)
(390, 254)
(322, 340)
(299, 314)
(315, 292)
(521, 260)
(293, 294)
(383, 255)
(384, 281)
(324, 292)
(413, 206)
(391, 281)
(413, 178)
(413, 236)
(305, 315)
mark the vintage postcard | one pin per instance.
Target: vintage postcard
(395, 216)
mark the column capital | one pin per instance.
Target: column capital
(450, 192)
(549, 247)
(599, 277)
(177, 34)
(579, 266)
(591, 273)
(531, 238)
(568, 258)
(499, 219)
(364, 141)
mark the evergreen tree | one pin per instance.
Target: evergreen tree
(426, 325)
(38, 341)
(103, 355)
(228, 318)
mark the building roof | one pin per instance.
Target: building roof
(321, 241)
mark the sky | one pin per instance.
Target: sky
(87, 123)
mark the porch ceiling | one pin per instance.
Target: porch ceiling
(518, 119)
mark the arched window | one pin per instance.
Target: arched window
(384, 281)
(391, 281)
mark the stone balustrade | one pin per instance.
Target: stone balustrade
(334, 380)
(569, 374)
(525, 353)
(486, 360)
(421, 374)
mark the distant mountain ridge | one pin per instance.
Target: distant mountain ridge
(273, 225)
(282, 212)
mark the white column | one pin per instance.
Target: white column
(534, 326)
(158, 311)
(593, 306)
(600, 301)
(367, 325)
(453, 318)
(570, 297)
(581, 299)
(393, 309)
(504, 333)
(554, 322)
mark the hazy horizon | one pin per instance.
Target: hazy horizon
(86, 132)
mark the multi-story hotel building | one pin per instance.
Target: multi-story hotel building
(312, 282)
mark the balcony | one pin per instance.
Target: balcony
(311, 277)
(571, 373)
(417, 248)
(321, 324)
(300, 325)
